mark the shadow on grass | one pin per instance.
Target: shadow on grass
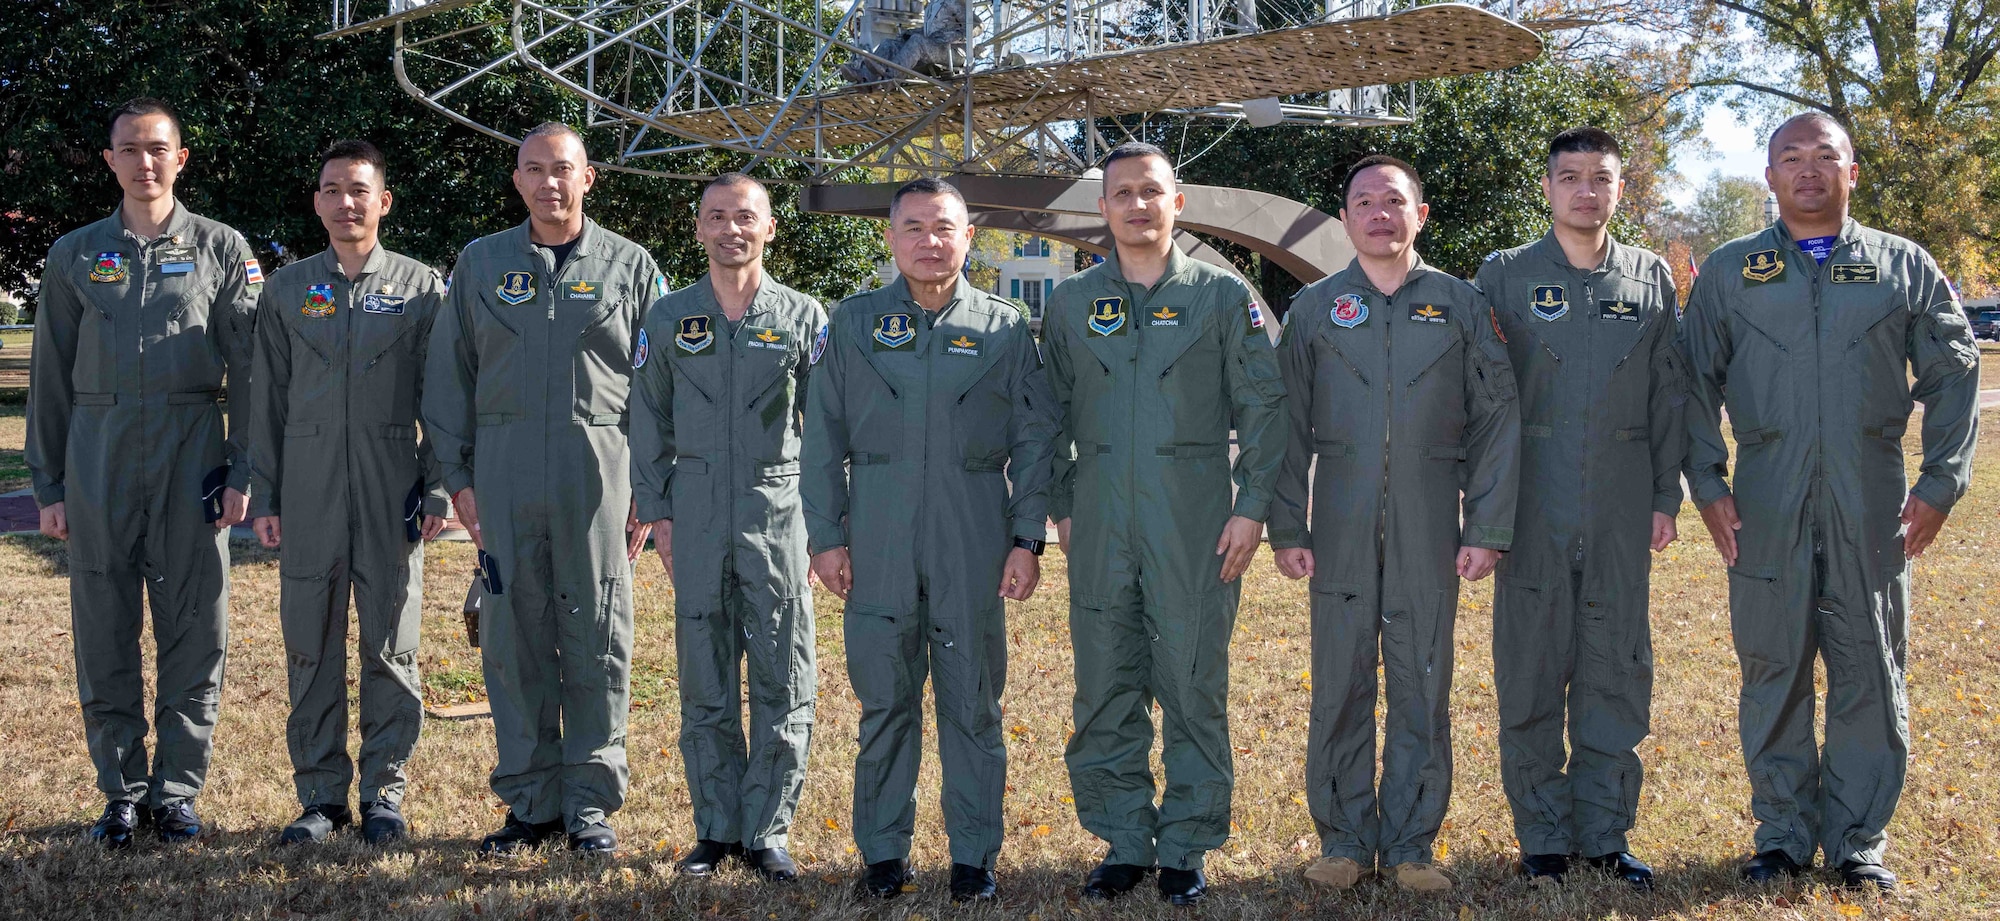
(52, 871)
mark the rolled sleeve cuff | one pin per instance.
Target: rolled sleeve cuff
(1668, 504)
(1487, 537)
(239, 478)
(1289, 538)
(51, 494)
(815, 548)
(456, 479)
(1936, 491)
(261, 507)
(1060, 507)
(653, 508)
(1707, 490)
(1252, 506)
(1030, 529)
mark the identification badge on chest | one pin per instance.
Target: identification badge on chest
(762, 338)
(383, 304)
(176, 260)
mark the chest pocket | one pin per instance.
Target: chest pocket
(983, 397)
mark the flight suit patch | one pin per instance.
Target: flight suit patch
(516, 288)
(1856, 273)
(1550, 302)
(641, 350)
(962, 346)
(1107, 316)
(176, 260)
(1762, 266)
(385, 304)
(696, 334)
(819, 344)
(893, 331)
(1349, 311)
(1165, 316)
(762, 338)
(109, 268)
(319, 301)
(253, 274)
(1254, 319)
(1618, 310)
(582, 290)
(1428, 313)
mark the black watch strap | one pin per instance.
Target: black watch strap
(1032, 546)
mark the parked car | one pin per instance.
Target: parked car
(1986, 325)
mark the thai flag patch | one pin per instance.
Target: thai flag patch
(1256, 316)
(253, 274)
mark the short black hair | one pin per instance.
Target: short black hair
(731, 179)
(1373, 160)
(143, 105)
(924, 186)
(1584, 139)
(356, 149)
(1132, 149)
(556, 129)
(1812, 115)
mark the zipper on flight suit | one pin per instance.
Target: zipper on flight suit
(1388, 413)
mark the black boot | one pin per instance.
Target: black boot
(517, 836)
(973, 884)
(1770, 865)
(595, 840)
(887, 879)
(1183, 887)
(1623, 865)
(114, 828)
(1857, 875)
(176, 821)
(316, 824)
(382, 823)
(707, 857)
(1540, 867)
(1110, 880)
(772, 863)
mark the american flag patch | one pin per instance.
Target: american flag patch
(253, 274)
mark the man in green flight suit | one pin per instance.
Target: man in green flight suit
(341, 339)
(1153, 356)
(524, 400)
(1818, 335)
(718, 376)
(142, 314)
(928, 401)
(1402, 398)
(1591, 331)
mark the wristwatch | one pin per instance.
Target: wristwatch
(1032, 546)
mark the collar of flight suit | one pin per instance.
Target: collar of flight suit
(901, 288)
(586, 242)
(1177, 265)
(1850, 232)
(179, 221)
(1354, 274)
(760, 302)
(378, 259)
(1617, 256)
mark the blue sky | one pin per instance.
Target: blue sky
(1737, 150)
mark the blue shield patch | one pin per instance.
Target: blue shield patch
(516, 288)
(1107, 316)
(696, 334)
(640, 351)
(1549, 302)
(894, 330)
(1349, 311)
(819, 344)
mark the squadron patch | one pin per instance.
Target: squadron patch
(1165, 316)
(1427, 313)
(1762, 266)
(962, 346)
(319, 301)
(1349, 311)
(893, 331)
(1853, 273)
(390, 305)
(641, 350)
(696, 335)
(762, 338)
(516, 288)
(819, 345)
(1618, 310)
(1550, 303)
(109, 268)
(1107, 316)
(1494, 315)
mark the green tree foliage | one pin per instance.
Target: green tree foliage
(1724, 208)
(1479, 141)
(261, 96)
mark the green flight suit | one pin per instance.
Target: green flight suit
(715, 447)
(333, 440)
(1604, 434)
(1149, 381)
(132, 340)
(525, 394)
(1814, 365)
(911, 421)
(1402, 402)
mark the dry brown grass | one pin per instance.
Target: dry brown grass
(1694, 824)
